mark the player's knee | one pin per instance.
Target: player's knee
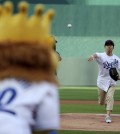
(110, 98)
(101, 103)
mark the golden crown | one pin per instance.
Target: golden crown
(23, 28)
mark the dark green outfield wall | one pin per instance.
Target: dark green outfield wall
(86, 20)
(88, 17)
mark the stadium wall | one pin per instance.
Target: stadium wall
(93, 22)
(74, 69)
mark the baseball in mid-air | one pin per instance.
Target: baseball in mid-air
(69, 25)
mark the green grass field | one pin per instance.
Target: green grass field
(81, 132)
(85, 132)
(84, 93)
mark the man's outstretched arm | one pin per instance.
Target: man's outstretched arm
(92, 57)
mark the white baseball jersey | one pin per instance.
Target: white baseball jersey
(105, 62)
(24, 104)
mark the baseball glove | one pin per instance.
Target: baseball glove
(114, 74)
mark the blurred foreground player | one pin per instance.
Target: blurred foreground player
(28, 87)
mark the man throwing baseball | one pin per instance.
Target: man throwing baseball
(106, 85)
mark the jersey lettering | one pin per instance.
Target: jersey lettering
(108, 65)
(7, 96)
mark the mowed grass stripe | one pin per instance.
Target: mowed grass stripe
(81, 132)
(86, 88)
(85, 132)
(86, 108)
(82, 94)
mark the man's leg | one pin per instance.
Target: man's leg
(110, 102)
(101, 96)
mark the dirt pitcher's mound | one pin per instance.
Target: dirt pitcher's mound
(91, 122)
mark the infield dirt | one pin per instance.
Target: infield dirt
(87, 121)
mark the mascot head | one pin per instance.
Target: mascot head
(26, 44)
